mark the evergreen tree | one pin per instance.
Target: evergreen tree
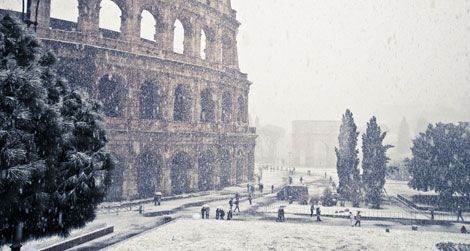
(441, 161)
(54, 166)
(374, 163)
(347, 161)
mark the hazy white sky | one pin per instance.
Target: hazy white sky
(312, 59)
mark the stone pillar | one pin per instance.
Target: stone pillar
(193, 174)
(196, 95)
(166, 172)
(164, 30)
(218, 105)
(43, 15)
(130, 23)
(196, 40)
(89, 16)
(216, 47)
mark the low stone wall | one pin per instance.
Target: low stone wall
(79, 240)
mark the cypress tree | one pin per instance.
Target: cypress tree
(374, 163)
(54, 164)
(347, 161)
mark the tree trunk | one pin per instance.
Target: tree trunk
(16, 246)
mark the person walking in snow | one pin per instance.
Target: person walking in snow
(207, 212)
(272, 188)
(237, 202)
(358, 219)
(261, 186)
(221, 214)
(217, 213)
(229, 214)
(351, 218)
(318, 214)
(230, 203)
(459, 214)
(301, 179)
(312, 209)
(203, 212)
(250, 198)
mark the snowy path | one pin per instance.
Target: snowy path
(260, 235)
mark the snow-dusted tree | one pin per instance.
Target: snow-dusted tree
(54, 166)
(374, 163)
(441, 161)
(347, 161)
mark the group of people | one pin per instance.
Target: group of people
(355, 219)
(317, 211)
(237, 203)
(220, 214)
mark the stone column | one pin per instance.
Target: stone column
(166, 171)
(164, 30)
(43, 15)
(89, 16)
(130, 24)
(193, 174)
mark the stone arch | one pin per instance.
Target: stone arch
(151, 101)
(207, 43)
(64, 20)
(148, 24)
(149, 172)
(226, 107)
(206, 164)
(225, 167)
(241, 112)
(115, 192)
(182, 104)
(203, 49)
(240, 167)
(178, 37)
(111, 13)
(112, 94)
(182, 32)
(207, 106)
(181, 165)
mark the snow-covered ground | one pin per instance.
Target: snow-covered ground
(261, 235)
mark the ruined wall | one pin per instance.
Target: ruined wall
(176, 122)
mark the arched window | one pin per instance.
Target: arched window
(64, 14)
(178, 37)
(110, 19)
(207, 106)
(111, 94)
(203, 45)
(182, 104)
(226, 107)
(241, 116)
(147, 26)
(147, 100)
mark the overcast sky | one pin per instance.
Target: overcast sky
(312, 59)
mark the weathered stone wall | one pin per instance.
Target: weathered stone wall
(156, 149)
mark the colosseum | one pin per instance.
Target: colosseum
(177, 120)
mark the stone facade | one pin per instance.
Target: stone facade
(314, 142)
(176, 122)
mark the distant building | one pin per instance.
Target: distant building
(314, 142)
(267, 144)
